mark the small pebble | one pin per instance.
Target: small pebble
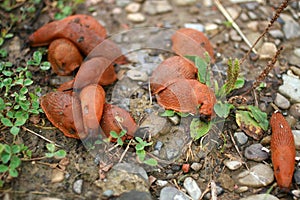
(192, 188)
(108, 193)
(133, 7)
(198, 27)
(57, 176)
(136, 17)
(241, 138)
(255, 152)
(260, 197)
(137, 75)
(174, 119)
(220, 190)
(297, 52)
(296, 193)
(158, 145)
(290, 88)
(258, 176)
(296, 70)
(233, 164)
(296, 134)
(282, 102)
(196, 166)
(77, 186)
(242, 189)
(186, 168)
(295, 110)
(268, 50)
(161, 183)
(184, 2)
(168, 193)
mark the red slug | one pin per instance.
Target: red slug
(175, 67)
(187, 41)
(283, 150)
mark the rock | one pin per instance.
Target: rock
(57, 176)
(161, 183)
(226, 182)
(158, 145)
(297, 52)
(252, 37)
(122, 3)
(108, 193)
(198, 27)
(258, 176)
(242, 189)
(233, 164)
(252, 15)
(154, 125)
(296, 70)
(137, 75)
(290, 88)
(297, 176)
(295, 110)
(124, 177)
(268, 50)
(291, 29)
(133, 7)
(296, 134)
(211, 28)
(196, 166)
(220, 190)
(192, 188)
(136, 17)
(276, 33)
(77, 186)
(134, 195)
(241, 138)
(174, 119)
(157, 7)
(282, 102)
(168, 193)
(184, 2)
(260, 197)
(255, 152)
(234, 36)
(296, 193)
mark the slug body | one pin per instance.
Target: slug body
(283, 150)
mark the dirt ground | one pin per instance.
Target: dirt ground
(83, 162)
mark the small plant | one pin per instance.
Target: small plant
(10, 160)
(52, 153)
(37, 61)
(65, 8)
(119, 136)
(140, 151)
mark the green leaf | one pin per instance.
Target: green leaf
(7, 73)
(248, 124)
(1, 148)
(2, 104)
(122, 133)
(37, 57)
(181, 114)
(19, 81)
(114, 134)
(139, 147)
(140, 140)
(168, 113)
(15, 162)
(15, 149)
(141, 154)
(120, 141)
(260, 117)
(3, 168)
(60, 154)
(199, 128)
(49, 155)
(45, 66)
(223, 109)
(50, 147)
(239, 83)
(23, 90)
(6, 122)
(14, 130)
(28, 82)
(5, 157)
(151, 162)
(203, 74)
(13, 172)
(20, 121)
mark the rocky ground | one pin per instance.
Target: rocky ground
(226, 161)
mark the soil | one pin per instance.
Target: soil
(34, 181)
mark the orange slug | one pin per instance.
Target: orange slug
(187, 41)
(92, 98)
(283, 151)
(175, 67)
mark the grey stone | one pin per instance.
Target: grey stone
(259, 175)
(296, 134)
(255, 152)
(174, 119)
(161, 183)
(168, 193)
(297, 52)
(297, 176)
(196, 166)
(291, 29)
(157, 7)
(282, 102)
(276, 33)
(108, 193)
(192, 188)
(233, 164)
(260, 197)
(158, 145)
(132, 169)
(241, 138)
(290, 88)
(220, 190)
(77, 186)
(296, 193)
(135, 195)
